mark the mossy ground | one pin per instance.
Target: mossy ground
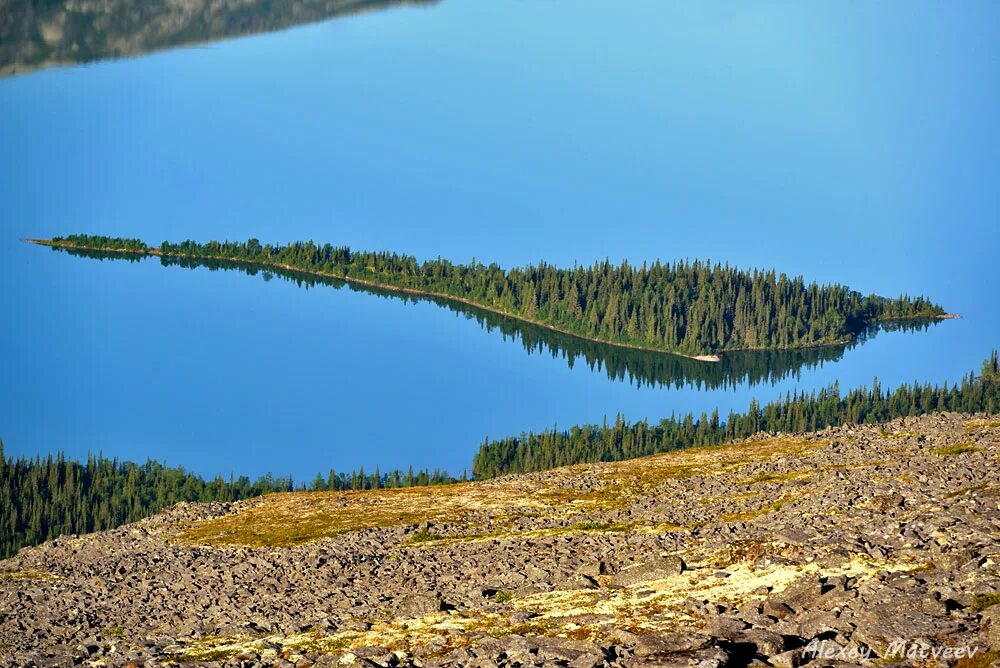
(444, 629)
(980, 660)
(582, 614)
(763, 474)
(283, 520)
(981, 425)
(27, 574)
(982, 601)
(759, 511)
(955, 449)
(749, 519)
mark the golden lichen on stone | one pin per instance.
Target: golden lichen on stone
(956, 449)
(584, 614)
(885, 433)
(775, 477)
(28, 574)
(980, 660)
(530, 534)
(966, 490)
(981, 425)
(759, 511)
(447, 629)
(982, 601)
(659, 605)
(289, 519)
(423, 536)
(855, 466)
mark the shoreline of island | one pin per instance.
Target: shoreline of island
(707, 358)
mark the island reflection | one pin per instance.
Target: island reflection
(638, 367)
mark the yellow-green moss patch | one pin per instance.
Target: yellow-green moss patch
(956, 449)
(982, 601)
(28, 574)
(659, 605)
(404, 635)
(283, 520)
(774, 477)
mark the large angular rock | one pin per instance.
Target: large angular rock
(885, 624)
(708, 657)
(657, 644)
(416, 605)
(764, 642)
(577, 581)
(777, 609)
(656, 569)
(790, 659)
(802, 593)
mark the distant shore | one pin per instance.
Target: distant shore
(704, 357)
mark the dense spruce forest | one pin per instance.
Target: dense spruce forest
(798, 412)
(692, 308)
(54, 496)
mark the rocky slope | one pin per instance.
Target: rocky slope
(833, 548)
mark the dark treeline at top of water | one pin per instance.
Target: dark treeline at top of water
(639, 367)
(551, 448)
(36, 34)
(54, 496)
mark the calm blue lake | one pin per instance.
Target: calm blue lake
(853, 144)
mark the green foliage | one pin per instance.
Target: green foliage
(359, 480)
(982, 601)
(503, 596)
(686, 307)
(94, 242)
(956, 449)
(54, 496)
(424, 536)
(798, 412)
(598, 526)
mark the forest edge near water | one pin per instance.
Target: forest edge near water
(579, 303)
(55, 496)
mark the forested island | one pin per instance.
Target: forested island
(695, 308)
(637, 366)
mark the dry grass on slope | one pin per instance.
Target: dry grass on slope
(283, 520)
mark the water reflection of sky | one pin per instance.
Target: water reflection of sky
(848, 144)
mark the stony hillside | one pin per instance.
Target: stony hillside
(833, 548)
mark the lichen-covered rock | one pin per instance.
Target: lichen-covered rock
(858, 537)
(654, 569)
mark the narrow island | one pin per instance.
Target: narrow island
(696, 309)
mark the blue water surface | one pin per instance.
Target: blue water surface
(848, 143)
